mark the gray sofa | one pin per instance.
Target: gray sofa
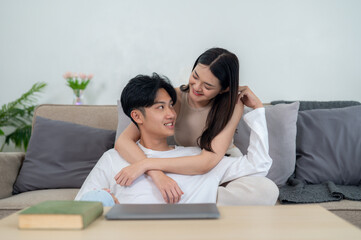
(105, 117)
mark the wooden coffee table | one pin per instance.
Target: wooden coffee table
(241, 222)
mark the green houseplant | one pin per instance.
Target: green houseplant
(17, 117)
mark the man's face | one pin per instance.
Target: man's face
(159, 119)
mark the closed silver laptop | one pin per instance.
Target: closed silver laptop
(163, 211)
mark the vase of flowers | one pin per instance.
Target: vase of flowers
(78, 82)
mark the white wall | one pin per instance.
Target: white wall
(288, 49)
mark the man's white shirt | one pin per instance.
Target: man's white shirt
(196, 188)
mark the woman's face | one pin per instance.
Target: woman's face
(203, 85)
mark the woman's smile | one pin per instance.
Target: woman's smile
(197, 93)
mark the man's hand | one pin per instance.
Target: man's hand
(169, 188)
(128, 174)
(249, 98)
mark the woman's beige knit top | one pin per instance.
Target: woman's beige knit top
(190, 122)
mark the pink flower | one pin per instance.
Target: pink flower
(82, 76)
(74, 76)
(68, 75)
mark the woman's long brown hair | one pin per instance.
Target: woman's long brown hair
(224, 65)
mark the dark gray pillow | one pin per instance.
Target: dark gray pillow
(329, 146)
(61, 155)
(281, 123)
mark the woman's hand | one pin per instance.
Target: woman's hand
(128, 174)
(169, 188)
(249, 98)
(239, 106)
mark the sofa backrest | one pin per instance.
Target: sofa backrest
(98, 116)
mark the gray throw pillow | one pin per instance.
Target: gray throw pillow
(329, 146)
(61, 155)
(281, 123)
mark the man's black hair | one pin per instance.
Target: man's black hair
(141, 91)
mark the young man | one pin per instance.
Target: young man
(149, 101)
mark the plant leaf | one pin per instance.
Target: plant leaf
(18, 115)
(20, 137)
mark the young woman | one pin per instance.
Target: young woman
(209, 108)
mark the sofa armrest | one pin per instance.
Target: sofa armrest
(10, 163)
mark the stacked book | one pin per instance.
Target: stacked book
(60, 215)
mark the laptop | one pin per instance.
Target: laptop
(163, 211)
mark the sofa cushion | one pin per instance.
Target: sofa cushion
(30, 198)
(96, 116)
(61, 155)
(281, 124)
(328, 146)
(9, 168)
(309, 105)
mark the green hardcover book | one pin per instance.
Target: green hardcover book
(60, 215)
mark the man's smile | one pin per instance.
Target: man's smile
(169, 125)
